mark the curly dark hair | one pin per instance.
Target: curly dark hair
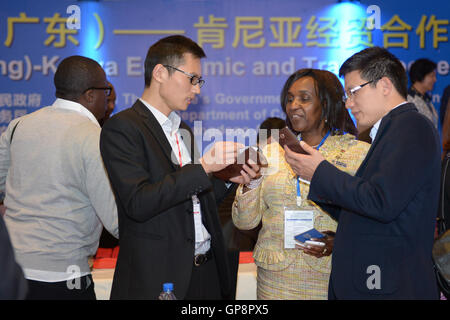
(330, 92)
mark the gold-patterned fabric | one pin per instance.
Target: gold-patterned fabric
(289, 273)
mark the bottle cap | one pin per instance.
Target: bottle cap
(168, 286)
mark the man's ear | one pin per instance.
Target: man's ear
(160, 73)
(386, 85)
(86, 98)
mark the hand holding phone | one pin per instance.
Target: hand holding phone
(234, 170)
(287, 138)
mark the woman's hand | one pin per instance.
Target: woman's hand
(320, 251)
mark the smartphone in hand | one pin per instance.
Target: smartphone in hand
(234, 170)
(287, 138)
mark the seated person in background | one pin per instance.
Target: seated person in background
(57, 191)
(422, 75)
(313, 102)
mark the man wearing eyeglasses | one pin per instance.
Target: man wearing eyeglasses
(387, 212)
(57, 191)
(167, 201)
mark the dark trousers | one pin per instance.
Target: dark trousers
(204, 284)
(331, 294)
(76, 289)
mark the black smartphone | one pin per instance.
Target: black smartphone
(287, 138)
(234, 170)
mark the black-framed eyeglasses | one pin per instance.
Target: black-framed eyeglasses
(350, 93)
(193, 78)
(108, 90)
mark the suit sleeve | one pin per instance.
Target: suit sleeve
(332, 210)
(132, 174)
(222, 189)
(401, 167)
(98, 186)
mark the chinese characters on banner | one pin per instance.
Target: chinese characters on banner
(249, 32)
(213, 31)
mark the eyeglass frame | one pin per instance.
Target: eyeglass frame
(108, 93)
(353, 90)
(191, 76)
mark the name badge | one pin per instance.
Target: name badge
(296, 222)
(197, 220)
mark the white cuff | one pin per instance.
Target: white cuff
(253, 184)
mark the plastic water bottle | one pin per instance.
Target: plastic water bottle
(167, 293)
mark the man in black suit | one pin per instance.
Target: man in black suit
(387, 212)
(168, 224)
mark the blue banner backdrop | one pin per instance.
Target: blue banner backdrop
(252, 46)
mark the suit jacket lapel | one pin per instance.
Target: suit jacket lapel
(189, 140)
(155, 129)
(384, 125)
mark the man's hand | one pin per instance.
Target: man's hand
(221, 154)
(303, 165)
(248, 174)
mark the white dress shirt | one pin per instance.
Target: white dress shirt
(170, 126)
(374, 130)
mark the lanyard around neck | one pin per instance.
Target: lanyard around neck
(179, 150)
(321, 141)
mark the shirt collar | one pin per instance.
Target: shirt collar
(374, 130)
(75, 106)
(169, 124)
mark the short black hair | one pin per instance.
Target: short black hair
(420, 68)
(74, 75)
(273, 123)
(270, 124)
(375, 63)
(170, 51)
(330, 92)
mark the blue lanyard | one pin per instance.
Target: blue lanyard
(299, 194)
